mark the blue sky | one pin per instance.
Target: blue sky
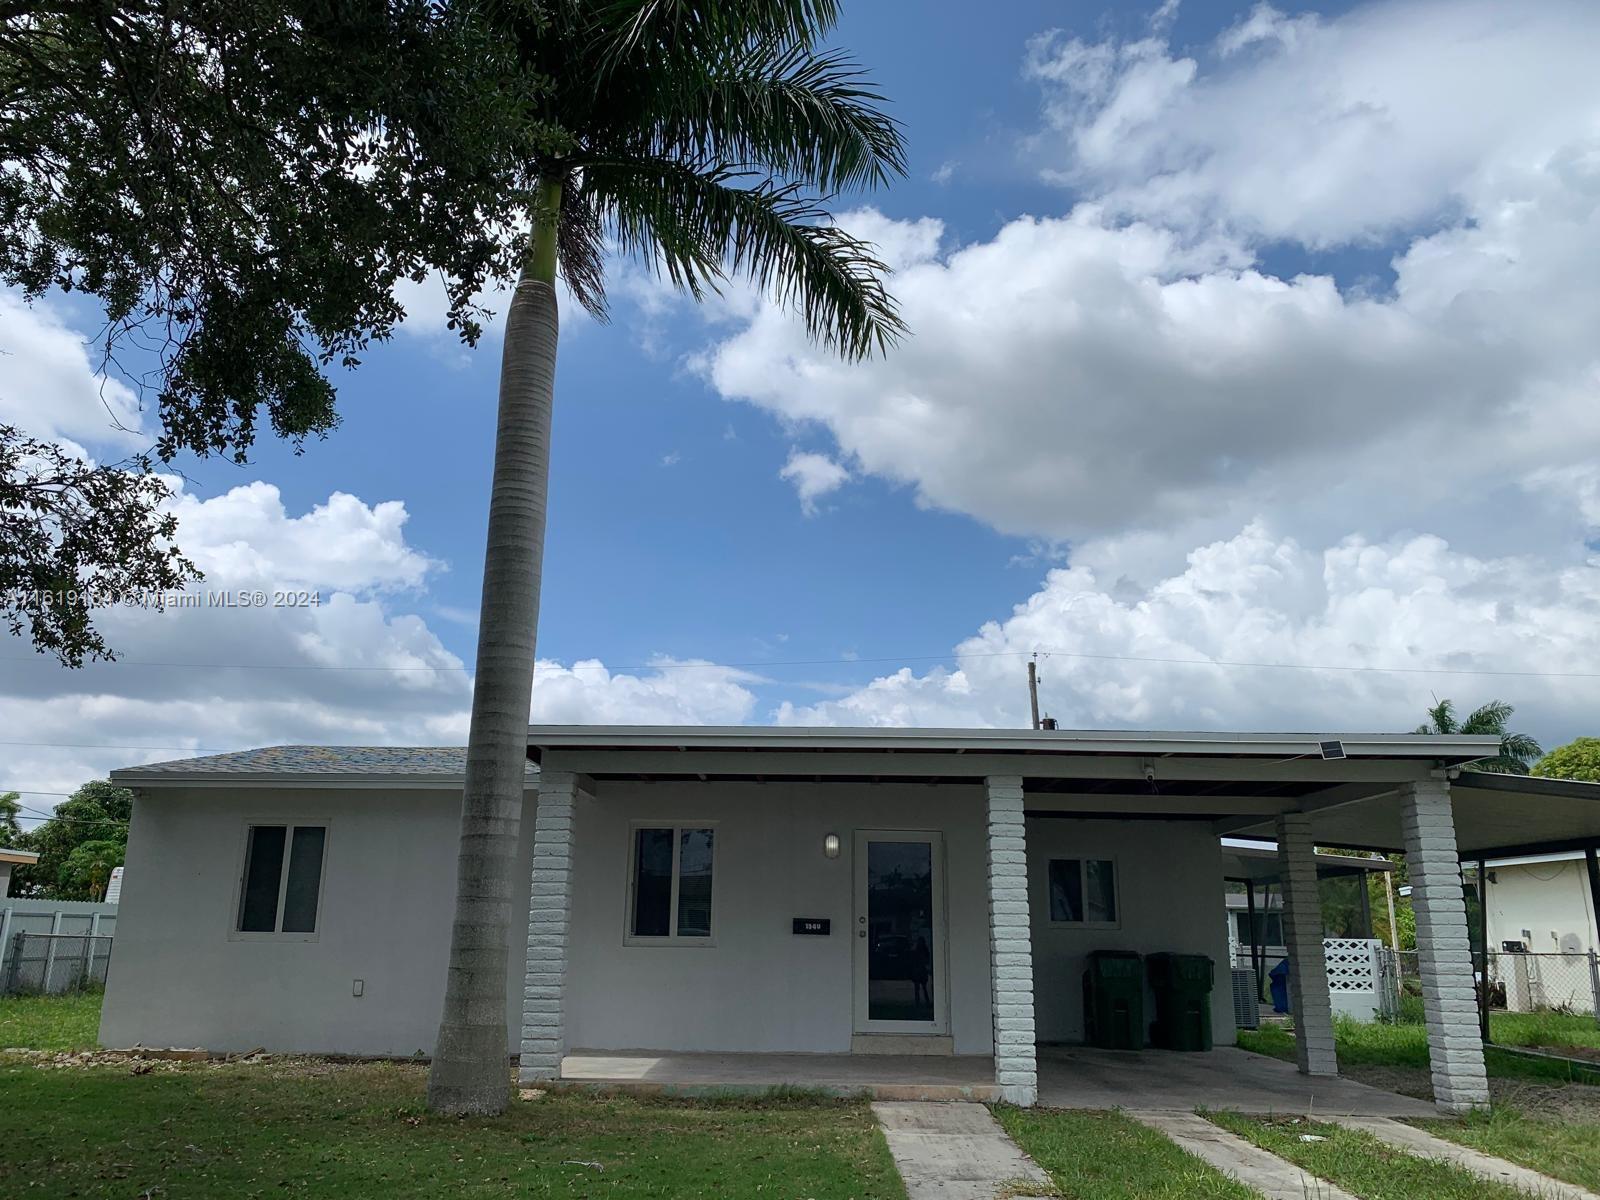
(1240, 335)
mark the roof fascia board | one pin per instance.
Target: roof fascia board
(975, 765)
(131, 779)
(767, 739)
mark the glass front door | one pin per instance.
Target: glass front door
(899, 933)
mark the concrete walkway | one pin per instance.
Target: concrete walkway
(955, 1151)
(1252, 1166)
(1486, 1166)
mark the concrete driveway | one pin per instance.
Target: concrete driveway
(1224, 1078)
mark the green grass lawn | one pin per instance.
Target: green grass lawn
(1361, 1164)
(1107, 1156)
(50, 1022)
(1379, 1045)
(1565, 1148)
(1546, 1030)
(317, 1130)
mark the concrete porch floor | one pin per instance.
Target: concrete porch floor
(881, 1076)
(1069, 1077)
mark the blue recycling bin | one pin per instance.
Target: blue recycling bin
(1278, 985)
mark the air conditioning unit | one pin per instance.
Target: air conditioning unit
(1246, 1002)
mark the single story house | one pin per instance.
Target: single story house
(767, 891)
(10, 859)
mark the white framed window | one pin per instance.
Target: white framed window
(280, 884)
(671, 872)
(1083, 893)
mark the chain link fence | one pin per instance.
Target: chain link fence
(44, 964)
(1516, 982)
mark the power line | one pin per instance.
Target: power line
(107, 746)
(50, 816)
(889, 658)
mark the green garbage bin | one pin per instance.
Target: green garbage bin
(1113, 1000)
(1182, 987)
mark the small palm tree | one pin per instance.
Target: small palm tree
(1517, 750)
(704, 137)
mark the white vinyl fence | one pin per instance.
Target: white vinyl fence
(54, 945)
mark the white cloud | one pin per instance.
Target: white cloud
(674, 692)
(354, 667)
(1386, 118)
(1132, 370)
(1129, 660)
(50, 389)
(813, 476)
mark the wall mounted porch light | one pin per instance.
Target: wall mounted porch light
(830, 846)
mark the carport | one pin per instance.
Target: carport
(1461, 816)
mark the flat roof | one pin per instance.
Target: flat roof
(1258, 862)
(400, 766)
(1449, 750)
(17, 857)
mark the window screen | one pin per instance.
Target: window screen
(282, 879)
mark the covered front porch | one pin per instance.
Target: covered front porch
(765, 960)
(1069, 1077)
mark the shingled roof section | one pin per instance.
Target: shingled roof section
(368, 762)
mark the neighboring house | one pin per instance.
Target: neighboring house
(1542, 903)
(1341, 877)
(10, 859)
(1355, 973)
(765, 890)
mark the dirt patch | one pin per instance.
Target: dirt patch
(1572, 1101)
(140, 1061)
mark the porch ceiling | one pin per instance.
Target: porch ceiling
(1196, 774)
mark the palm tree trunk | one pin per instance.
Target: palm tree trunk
(470, 1072)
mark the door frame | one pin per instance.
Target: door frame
(938, 980)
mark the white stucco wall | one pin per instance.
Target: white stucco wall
(1170, 891)
(1548, 899)
(5, 879)
(761, 988)
(178, 977)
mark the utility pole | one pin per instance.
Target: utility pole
(1033, 688)
(1394, 929)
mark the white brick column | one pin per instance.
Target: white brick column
(1302, 935)
(1010, 943)
(544, 1032)
(1444, 954)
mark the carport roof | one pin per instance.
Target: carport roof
(1258, 863)
(1496, 816)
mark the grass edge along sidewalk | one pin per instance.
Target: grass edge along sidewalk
(1108, 1156)
(1359, 1163)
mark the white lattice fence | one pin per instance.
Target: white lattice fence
(1353, 975)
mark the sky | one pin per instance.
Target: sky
(1251, 384)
